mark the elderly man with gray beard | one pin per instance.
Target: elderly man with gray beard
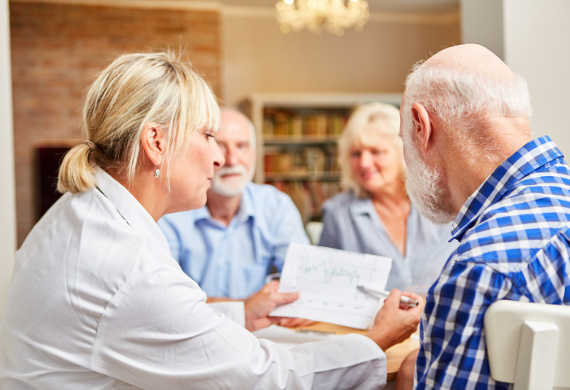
(465, 123)
(230, 245)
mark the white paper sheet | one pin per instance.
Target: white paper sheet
(327, 280)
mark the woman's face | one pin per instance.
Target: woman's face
(375, 168)
(191, 175)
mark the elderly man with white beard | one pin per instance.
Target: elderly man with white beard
(230, 245)
(465, 123)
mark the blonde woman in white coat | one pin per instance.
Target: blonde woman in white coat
(96, 300)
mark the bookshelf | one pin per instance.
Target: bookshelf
(296, 141)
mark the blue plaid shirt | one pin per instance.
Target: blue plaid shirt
(514, 238)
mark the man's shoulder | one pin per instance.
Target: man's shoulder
(540, 196)
(519, 224)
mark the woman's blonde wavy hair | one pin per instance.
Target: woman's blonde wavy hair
(132, 91)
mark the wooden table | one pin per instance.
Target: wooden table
(394, 355)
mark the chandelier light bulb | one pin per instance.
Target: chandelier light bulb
(333, 16)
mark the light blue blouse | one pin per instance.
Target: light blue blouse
(351, 223)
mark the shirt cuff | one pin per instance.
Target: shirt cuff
(234, 310)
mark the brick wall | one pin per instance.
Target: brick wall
(57, 50)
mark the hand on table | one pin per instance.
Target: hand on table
(394, 323)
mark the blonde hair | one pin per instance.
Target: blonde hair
(366, 122)
(132, 91)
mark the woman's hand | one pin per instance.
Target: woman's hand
(258, 306)
(290, 322)
(394, 323)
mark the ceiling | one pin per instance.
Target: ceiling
(375, 5)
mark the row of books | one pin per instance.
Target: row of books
(292, 124)
(306, 160)
(308, 195)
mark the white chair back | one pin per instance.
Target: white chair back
(529, 344)
(314, 230)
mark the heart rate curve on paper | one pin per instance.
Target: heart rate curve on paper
(327, 280)
(331, 273)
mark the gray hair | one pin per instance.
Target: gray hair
(132, 91)
(365, 122)
(464, 100)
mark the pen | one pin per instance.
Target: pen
(406, 301)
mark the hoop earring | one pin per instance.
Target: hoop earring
(156, 172)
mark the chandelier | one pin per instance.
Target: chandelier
(333, 15)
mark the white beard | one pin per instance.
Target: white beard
(225, 187)
(425, 186)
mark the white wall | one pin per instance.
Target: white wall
(482, 22)
(257, 57)
(535, 37)
(7, 197)
(537, 45)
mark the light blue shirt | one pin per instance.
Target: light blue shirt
(351, 223)
(233, 261)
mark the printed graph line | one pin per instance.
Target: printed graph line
(334, 272)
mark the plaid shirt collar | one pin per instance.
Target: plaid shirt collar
(536, 153)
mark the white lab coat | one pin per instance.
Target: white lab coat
(97, 302)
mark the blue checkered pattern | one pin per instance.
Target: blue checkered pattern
(514, 238)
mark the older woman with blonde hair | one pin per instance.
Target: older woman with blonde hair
(374, 214)
(98, 302)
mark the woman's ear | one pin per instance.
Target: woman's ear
(153, 140)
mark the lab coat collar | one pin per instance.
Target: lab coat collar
(130, 209)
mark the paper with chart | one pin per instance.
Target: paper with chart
(327, 280)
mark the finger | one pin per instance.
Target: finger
(265, 322)
(288, 322)
(294, 322)
(394, 298)
(283, 321)
(272, 286)
(413, 296)
(420, 299)
(284, 298)
(304, 322)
